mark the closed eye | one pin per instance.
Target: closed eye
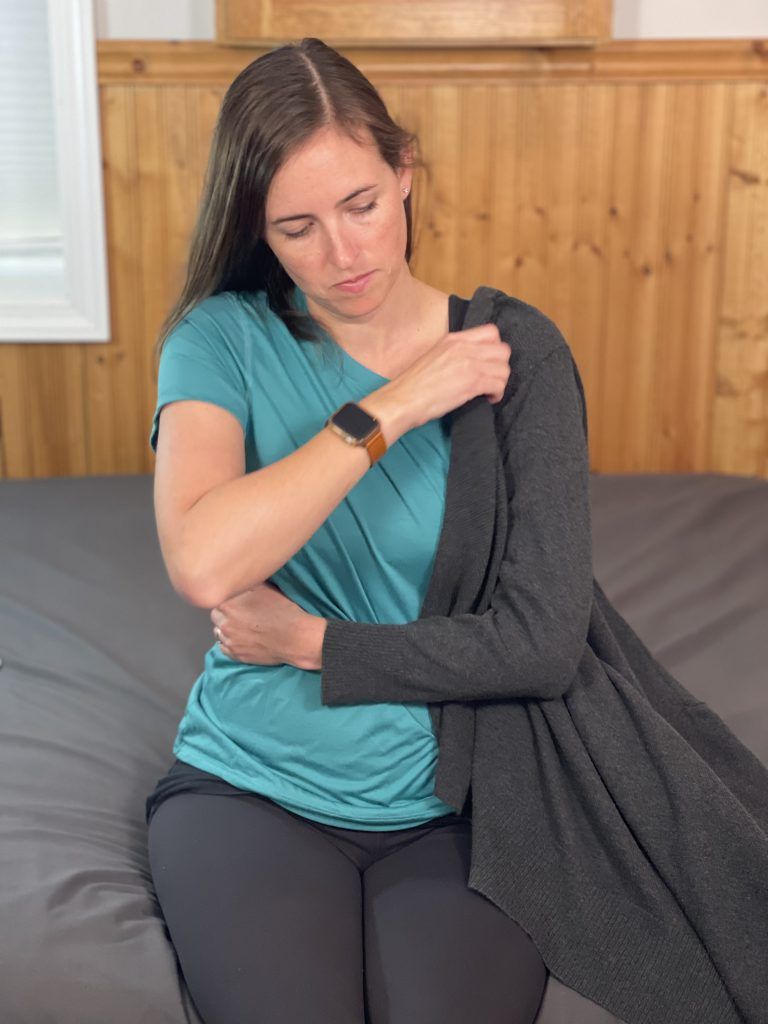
(360, 209)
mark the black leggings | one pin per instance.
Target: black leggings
(277, 919)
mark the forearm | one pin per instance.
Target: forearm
(241, 532)
(512, 651)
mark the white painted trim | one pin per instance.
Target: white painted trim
(84, 314)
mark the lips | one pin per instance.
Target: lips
(359, 277)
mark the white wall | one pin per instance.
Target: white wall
(690, 19)
(632, 19)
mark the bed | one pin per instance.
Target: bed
(98, 655)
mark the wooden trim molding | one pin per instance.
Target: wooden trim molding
(201, 63)
(425, 23)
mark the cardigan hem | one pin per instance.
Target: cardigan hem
(639, 968)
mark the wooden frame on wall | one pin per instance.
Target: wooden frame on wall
(416, 22)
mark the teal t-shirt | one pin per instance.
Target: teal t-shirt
(263, 728)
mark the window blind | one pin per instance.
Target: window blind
(28, 174)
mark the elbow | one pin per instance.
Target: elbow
(198, 580)
(194, 587)
(562, 654)
(569, 637)
(186, 574)
(560, 674)
(193, 593)
(199, 598)
(207, 591)
(545, 643)
(206, 579)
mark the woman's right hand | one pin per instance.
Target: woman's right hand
(460, 366)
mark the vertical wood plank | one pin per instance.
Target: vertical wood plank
(588, 257)
(158, 177)
(15, 440)
(437, 256)
(686, 340)
(505, 241)
(408, 110)
(119, 142)
(627, 414)
(561, 150)
(530, 192)
(53, 409)
(474, 216)
(740, 430)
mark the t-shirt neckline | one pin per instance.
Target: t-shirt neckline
(455, 318)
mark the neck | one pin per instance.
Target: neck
(404, 315)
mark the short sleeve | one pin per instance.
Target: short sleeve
(196, 362)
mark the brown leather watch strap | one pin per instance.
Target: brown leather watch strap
(376, 446)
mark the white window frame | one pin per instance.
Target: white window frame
(84, 314)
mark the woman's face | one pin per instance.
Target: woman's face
(335, 211)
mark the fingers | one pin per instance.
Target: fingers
(490, 331)
(217, 618)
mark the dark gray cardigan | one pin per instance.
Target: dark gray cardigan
(614, 816)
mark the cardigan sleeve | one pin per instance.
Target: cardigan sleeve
(529, 642)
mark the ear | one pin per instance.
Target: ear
(405, 177)
(405, 171)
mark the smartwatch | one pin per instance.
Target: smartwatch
(356, 426)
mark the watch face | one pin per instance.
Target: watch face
(354, 420)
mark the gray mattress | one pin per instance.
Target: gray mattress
(98, 656)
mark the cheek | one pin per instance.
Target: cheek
(297, 258)
(392, 234)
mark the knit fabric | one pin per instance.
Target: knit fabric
(615, 817)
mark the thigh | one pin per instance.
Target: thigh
(438, 952)
(263, 911)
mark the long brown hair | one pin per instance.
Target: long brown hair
(271, 108)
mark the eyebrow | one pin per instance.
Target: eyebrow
(302, 216)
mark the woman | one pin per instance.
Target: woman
(334, 886)
(418, 570)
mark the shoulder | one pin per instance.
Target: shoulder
(538, 349)
(532, 335)
(221, 314)
(221, 327)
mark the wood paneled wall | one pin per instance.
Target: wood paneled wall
(622, 190)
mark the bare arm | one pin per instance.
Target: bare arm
(222, 530)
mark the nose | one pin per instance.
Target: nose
(342, 250)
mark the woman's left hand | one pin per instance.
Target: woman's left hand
(262, 626)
